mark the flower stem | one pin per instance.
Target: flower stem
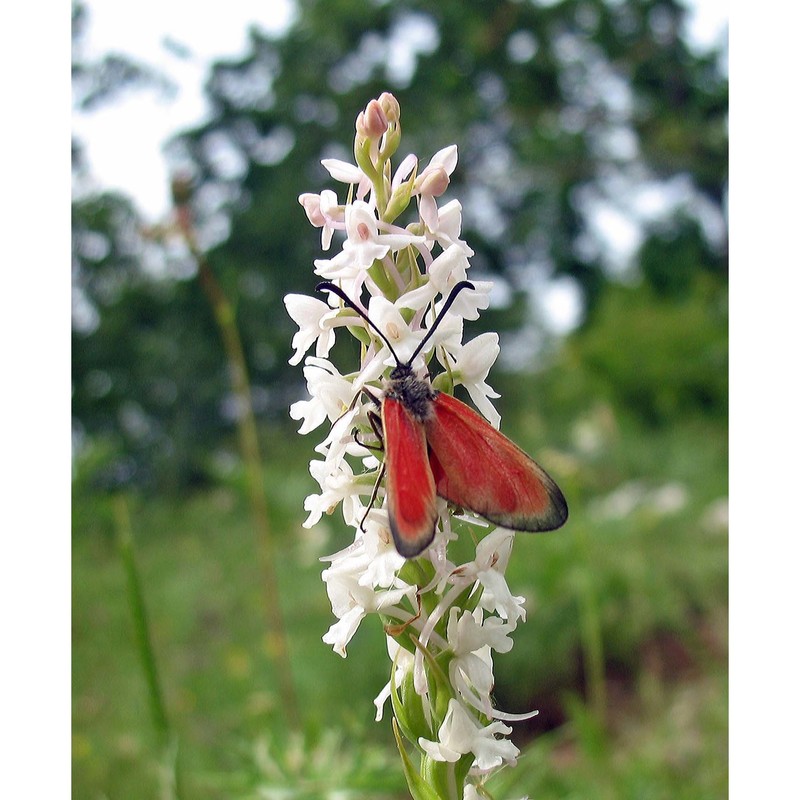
(247, 432)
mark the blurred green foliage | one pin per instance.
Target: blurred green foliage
(658, 359)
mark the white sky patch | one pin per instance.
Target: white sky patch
(707, 23)
(124, 139)
(619, 234)
(209, 31)
(656, 200)
(124, 142)
(414, 35)
(561, 304)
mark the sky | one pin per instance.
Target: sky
(124, 140)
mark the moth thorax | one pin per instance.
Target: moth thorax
(414, 393)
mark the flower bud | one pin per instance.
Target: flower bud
(375, 121)
(182, 188)
(391, 108)
(361, 128)
(433, 182)
(399, 201)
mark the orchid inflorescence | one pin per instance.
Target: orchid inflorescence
(442, 620)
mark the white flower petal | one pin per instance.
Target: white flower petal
(341, 632)
(342, 171)
(448, 230)
(389, 320)
(309, 313)
(460, 734)
(447, 157)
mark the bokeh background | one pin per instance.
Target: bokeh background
(592, 141)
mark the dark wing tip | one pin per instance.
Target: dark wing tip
(560, 510)
(410, 546)
(557, 513)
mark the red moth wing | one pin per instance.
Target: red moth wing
(479, 469)
(410, 490)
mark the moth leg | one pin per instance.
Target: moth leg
(376, 398)
(372, 499)
(377, 428)
(374, 423)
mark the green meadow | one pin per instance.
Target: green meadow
(624, 651)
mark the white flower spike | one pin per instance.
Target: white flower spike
(397, 285)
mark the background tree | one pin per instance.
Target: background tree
(572, 120)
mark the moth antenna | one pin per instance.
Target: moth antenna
(327, 286)
(461, 285)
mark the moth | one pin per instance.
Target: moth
(436, 445)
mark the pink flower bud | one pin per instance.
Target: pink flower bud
(375, 120)
(391, 108)
(361, 127)
(433, 182)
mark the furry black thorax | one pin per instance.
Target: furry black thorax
(414, 393)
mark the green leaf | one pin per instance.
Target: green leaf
(408, 710)
(419, 789)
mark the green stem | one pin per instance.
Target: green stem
(247, 432)
(378, 187)
(167, 738)
(591, 634)
(141, 627)
(382, 280)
